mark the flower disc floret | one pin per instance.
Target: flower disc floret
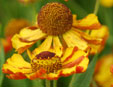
(54, 19)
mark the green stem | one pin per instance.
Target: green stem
(96, 7)
(54, 83)
(48, 83)
(72, 80)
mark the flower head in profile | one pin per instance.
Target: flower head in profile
(55, 20)
(103, 76)
(46, 64)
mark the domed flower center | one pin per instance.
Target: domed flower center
(54, 19)
(46, 60)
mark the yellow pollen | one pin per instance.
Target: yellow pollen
(54, 19)
(46, 60)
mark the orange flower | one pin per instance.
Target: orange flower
(55, 19)
(46, 64)
(6, 44)
(14, 26)
(103, 76)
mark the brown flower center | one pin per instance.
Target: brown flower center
(54, 18)
(46, 60)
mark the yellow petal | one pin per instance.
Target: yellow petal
(57, 46)
(103, 76)
(30, 35)
(102, 33)
(76, 69)
(75, 55)
(107, 3)
(16, 64)
(26, 38)
(45, 46)
(86, 37)
(73, 39)
(89, 22)
(19, 45)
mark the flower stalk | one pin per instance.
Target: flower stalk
(54, 83)
(96, 7)
(48, 83)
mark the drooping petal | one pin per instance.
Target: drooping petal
(45, 46)
(57, 46)
(26, 38)
(89, 22)
(73, 56)
(81, 67)
(16, 67)
(31, 34)
(19, 45)
(16, 76)
(73, 40)
(38, 74)
(74, 61)
(16, 64)
(102, 33)
(88, 38)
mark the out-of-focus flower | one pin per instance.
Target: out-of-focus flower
(103, 76)
(46, 64)
(6, 44)
(14, 26)
(56, 20)
(27, 1)
(107, 3)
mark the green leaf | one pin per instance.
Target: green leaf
(84, 79)
(2, 59)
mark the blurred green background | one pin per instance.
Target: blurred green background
(10, 9)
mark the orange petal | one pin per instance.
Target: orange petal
(36, 75)
(89, 22)
(111, 69)
(16, 76)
